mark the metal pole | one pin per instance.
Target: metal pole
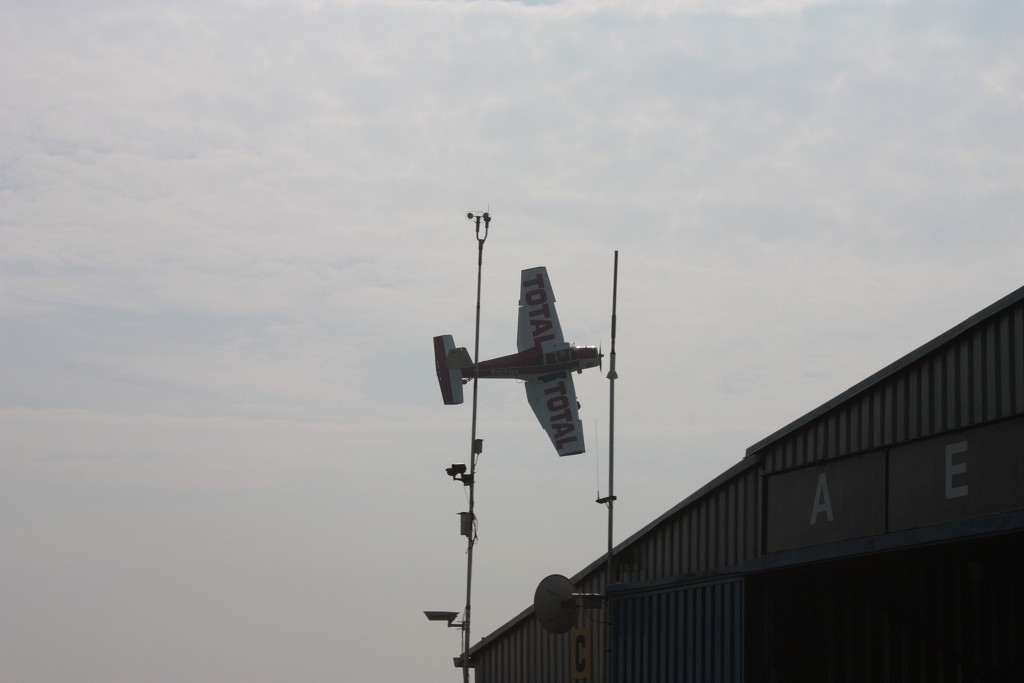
(473, 449)
(612, 376)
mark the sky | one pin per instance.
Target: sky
(230, 229)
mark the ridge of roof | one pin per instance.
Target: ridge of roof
(891, 369)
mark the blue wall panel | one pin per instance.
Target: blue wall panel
(683, 634)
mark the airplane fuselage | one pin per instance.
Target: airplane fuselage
(537, 362)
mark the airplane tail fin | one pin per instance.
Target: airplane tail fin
(449, 374)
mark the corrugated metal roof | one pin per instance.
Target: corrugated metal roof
(592, 576)
(891, 369)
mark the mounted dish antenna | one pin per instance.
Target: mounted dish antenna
(554, 604)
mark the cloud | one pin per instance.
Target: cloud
(230, 230)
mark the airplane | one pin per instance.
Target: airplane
(545, 362)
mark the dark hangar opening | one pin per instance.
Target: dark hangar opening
(951, 612)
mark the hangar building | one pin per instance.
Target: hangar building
(877, 538)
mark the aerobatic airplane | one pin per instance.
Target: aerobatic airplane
(545, 362)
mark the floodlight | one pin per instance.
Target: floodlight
(443, 616)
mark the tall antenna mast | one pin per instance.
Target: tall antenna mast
(612, 376)
(609, 500)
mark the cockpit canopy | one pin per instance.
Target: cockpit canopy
(559, 352)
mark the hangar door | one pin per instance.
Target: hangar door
(947, 612)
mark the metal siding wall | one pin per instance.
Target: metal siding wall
(686, 634)
(719, 530)
(529, 654)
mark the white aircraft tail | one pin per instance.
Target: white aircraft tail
(448, 362)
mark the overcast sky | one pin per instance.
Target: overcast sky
(231, 228)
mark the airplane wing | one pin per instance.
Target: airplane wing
(553, 399)
(538, 321)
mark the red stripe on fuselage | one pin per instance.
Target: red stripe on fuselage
(523, 365)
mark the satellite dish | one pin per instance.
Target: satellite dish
(554, 604)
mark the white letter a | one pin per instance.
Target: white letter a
(822, 502)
